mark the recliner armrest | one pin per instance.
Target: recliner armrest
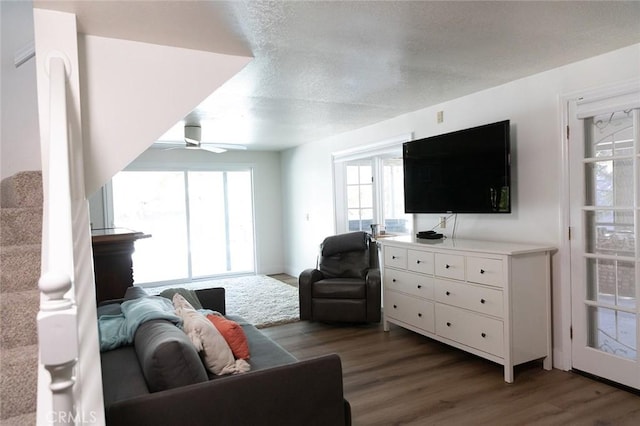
(374, 295)
(305, 282)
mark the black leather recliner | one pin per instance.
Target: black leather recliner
(346, 285)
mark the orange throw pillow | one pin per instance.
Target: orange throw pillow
(233, 334)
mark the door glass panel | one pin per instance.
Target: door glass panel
(207, 225)
(359, 196)
(610, 232)
(240, 207)
(608, 183)
(611, 282)
(612, 135)
(395, 219)
(366, 196)
(213, 236)
(153, 203)
(612, 331)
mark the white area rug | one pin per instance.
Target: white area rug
(261, 300)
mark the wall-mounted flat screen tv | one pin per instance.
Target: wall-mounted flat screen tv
(467, 171)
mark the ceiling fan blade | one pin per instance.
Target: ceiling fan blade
(212, 148)
(225, 146)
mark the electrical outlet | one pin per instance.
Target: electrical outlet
(440, 117)
(443, 221)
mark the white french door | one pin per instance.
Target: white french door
(604, 152)
(373, 194)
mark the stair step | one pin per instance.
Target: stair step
(18, 320)
(18, 383)
(20, 225)
(20, 268)
(23, 189)
(24, 419)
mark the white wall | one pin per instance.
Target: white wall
(266, 187)
(19, 138)
(532, 104)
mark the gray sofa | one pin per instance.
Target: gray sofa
(161, 380)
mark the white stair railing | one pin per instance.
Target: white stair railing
(57, 319)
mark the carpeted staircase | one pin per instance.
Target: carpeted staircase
(20, 243)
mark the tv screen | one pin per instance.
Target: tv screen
(468, 171)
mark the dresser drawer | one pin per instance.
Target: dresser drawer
(449, 266)
(468, 328)
(480, 299)
(485, 271)
(416, 312)
(395, 257)
(420, 261)
(417, 285)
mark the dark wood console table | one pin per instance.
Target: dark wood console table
(112, 264)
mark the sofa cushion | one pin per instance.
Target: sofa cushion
(265, 353)
(233, 334)
(167, 357)
(189, 295)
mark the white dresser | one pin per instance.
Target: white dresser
(487, 298)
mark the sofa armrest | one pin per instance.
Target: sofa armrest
(304, 393)
(212, 298)
(305, 282)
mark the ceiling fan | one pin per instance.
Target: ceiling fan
(193, 140)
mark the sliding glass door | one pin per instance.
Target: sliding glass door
(201, 222)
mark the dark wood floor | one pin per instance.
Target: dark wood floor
(401, 378)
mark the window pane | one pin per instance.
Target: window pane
(153, 203)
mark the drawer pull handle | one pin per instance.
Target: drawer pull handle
(394, 280)
(393, 257)
(395, 306)
(447, 266)
(482, 271)
(484, 335)
(482, 301)
(419, 286)
(447, 293)
(448, 324)
(418, 262)
(420, 315)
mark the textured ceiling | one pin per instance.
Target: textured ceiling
(323, 68)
